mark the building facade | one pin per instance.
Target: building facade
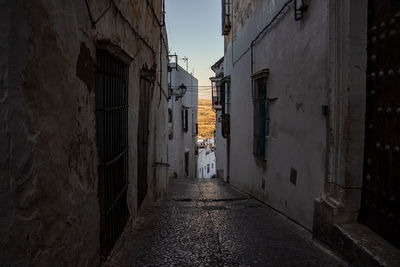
(206, 159)
(307, 124)
(83, 126)
(182, 123)
(220, 104)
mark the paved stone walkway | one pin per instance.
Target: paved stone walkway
(209, 223)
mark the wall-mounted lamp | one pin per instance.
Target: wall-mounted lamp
(182, 89)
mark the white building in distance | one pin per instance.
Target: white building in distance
(182, 123)
(206, 161)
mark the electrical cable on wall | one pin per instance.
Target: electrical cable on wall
(298, 12)
(94, 21)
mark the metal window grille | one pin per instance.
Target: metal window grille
(169, 115)
(261, 117)
(215, 94)
(186, 163)
(227, 107)
(222, 97)
(226, 125)
(225, 118)
(185, 115)
(112, 143)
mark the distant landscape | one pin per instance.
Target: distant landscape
(206, 118)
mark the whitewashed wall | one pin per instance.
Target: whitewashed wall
(183, 141)
(206, 157)
(295, 52)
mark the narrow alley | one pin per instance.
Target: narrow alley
(205, 222)
(199, 133)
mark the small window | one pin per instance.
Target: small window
(260, 115)
(208, 168)
(216, 87)
(169, 115)
(222, 96)
(225, 118)
(186, 163)
(185, 115)
(227, 105)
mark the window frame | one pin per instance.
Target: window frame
(185, 120)
(261, 113)
(170, 115)
(112, 132)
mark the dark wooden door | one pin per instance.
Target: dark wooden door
(381, 183)
(143, 137)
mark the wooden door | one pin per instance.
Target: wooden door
(381, 182)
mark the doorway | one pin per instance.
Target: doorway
(143, 138)
(380, 209)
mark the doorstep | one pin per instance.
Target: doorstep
(363, 246)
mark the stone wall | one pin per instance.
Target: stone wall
(48, 164)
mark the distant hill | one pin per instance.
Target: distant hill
(206, 118)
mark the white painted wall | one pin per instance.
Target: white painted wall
(295, 53)
(183, 141)
(206, 163)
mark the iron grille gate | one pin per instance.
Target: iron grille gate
(112, 143)
(381, 182)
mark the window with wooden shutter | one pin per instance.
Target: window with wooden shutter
(260, 116)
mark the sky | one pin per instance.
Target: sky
(194, 31)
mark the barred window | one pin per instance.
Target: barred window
(260, 116)
(169, 115)
(185, 115)
(112, 144)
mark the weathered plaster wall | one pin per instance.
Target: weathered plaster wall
(183, 141)
(241, 10)
(295, 54)
(48, 165)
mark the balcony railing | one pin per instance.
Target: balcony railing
(216, 94)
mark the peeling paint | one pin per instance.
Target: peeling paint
(85, 67)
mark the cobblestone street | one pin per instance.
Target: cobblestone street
(209, 223)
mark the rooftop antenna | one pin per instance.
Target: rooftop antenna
(187, 63)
